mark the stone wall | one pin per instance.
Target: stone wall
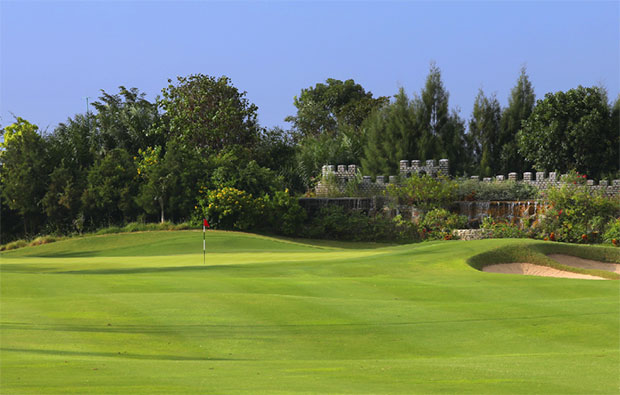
(553, 179)
(344, 174)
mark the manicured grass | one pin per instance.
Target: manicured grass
(140, 313)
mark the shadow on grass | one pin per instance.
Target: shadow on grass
(323, 243)
(141, 270)
(65, 254)
(65, 353)
(227, 330)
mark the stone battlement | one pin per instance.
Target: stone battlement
(541, 181)
(345, 173)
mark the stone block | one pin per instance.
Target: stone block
(615, 183)
(590, 182)
(352, 169)
(331, 168)
(540, 175)
(499, 177)
(380, 179)
(553, 176)
(404, 164)
(342, 169)
(430, 163)
(475, 178)
(487, 179)
(444, 166)
(415, 163)
(512, 176)
(366, 179)
(393, 179)
(527, 176)
(603, 183)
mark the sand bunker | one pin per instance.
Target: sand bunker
(585, 263)
(529, 269)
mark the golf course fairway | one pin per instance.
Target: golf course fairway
(141, 313)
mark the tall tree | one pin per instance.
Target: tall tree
(325, 108)
(571, 130)
(24, 171)
(520, 106)
(126, 120)
(392, 136)
(484, 129)
(111, 189)
(209, 113)
(433, 115)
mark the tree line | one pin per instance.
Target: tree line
(131, 159)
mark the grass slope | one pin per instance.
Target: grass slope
(140, 313)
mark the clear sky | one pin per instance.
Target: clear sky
(54, 54)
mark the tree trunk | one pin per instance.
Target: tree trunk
(161, 206)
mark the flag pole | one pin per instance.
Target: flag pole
(204, 244)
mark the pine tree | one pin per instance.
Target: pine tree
(391, 137)
(484, 128)
(432, 115)
(520, 106)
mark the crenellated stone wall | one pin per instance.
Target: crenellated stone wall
(430, 167)
(343, 174)
(541, 181)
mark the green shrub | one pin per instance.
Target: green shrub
(439, 223)
(108, 230)
(500, 229)
(424, 192)
(15, 244)
(182, 226)
(43, 240)
(575, 213)
(135, 227)
(229, 208)
(472, 190)
(282, 213)
(334, 222)
(612, 233)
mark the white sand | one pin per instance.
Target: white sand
(585, 263)
(529, 269)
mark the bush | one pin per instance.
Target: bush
(282, 213)
(500, 229)
(612, 233)
(229, 208)
(472, 190)
(334, 222)
(575, 213)
(44, 240)
(108, 230)
(439, 223)
(15, 244)
(424, 192)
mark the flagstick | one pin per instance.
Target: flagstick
(204, 246)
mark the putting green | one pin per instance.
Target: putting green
(140, 313)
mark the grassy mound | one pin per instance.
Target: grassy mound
(141, 313)
(536, 253)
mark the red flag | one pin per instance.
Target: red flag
(205, 223)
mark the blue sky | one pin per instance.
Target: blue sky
(55, 54)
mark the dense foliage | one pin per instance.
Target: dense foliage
(572, 131)
(577, 214)
(474, 190)
(181, 156)
(425, 192)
